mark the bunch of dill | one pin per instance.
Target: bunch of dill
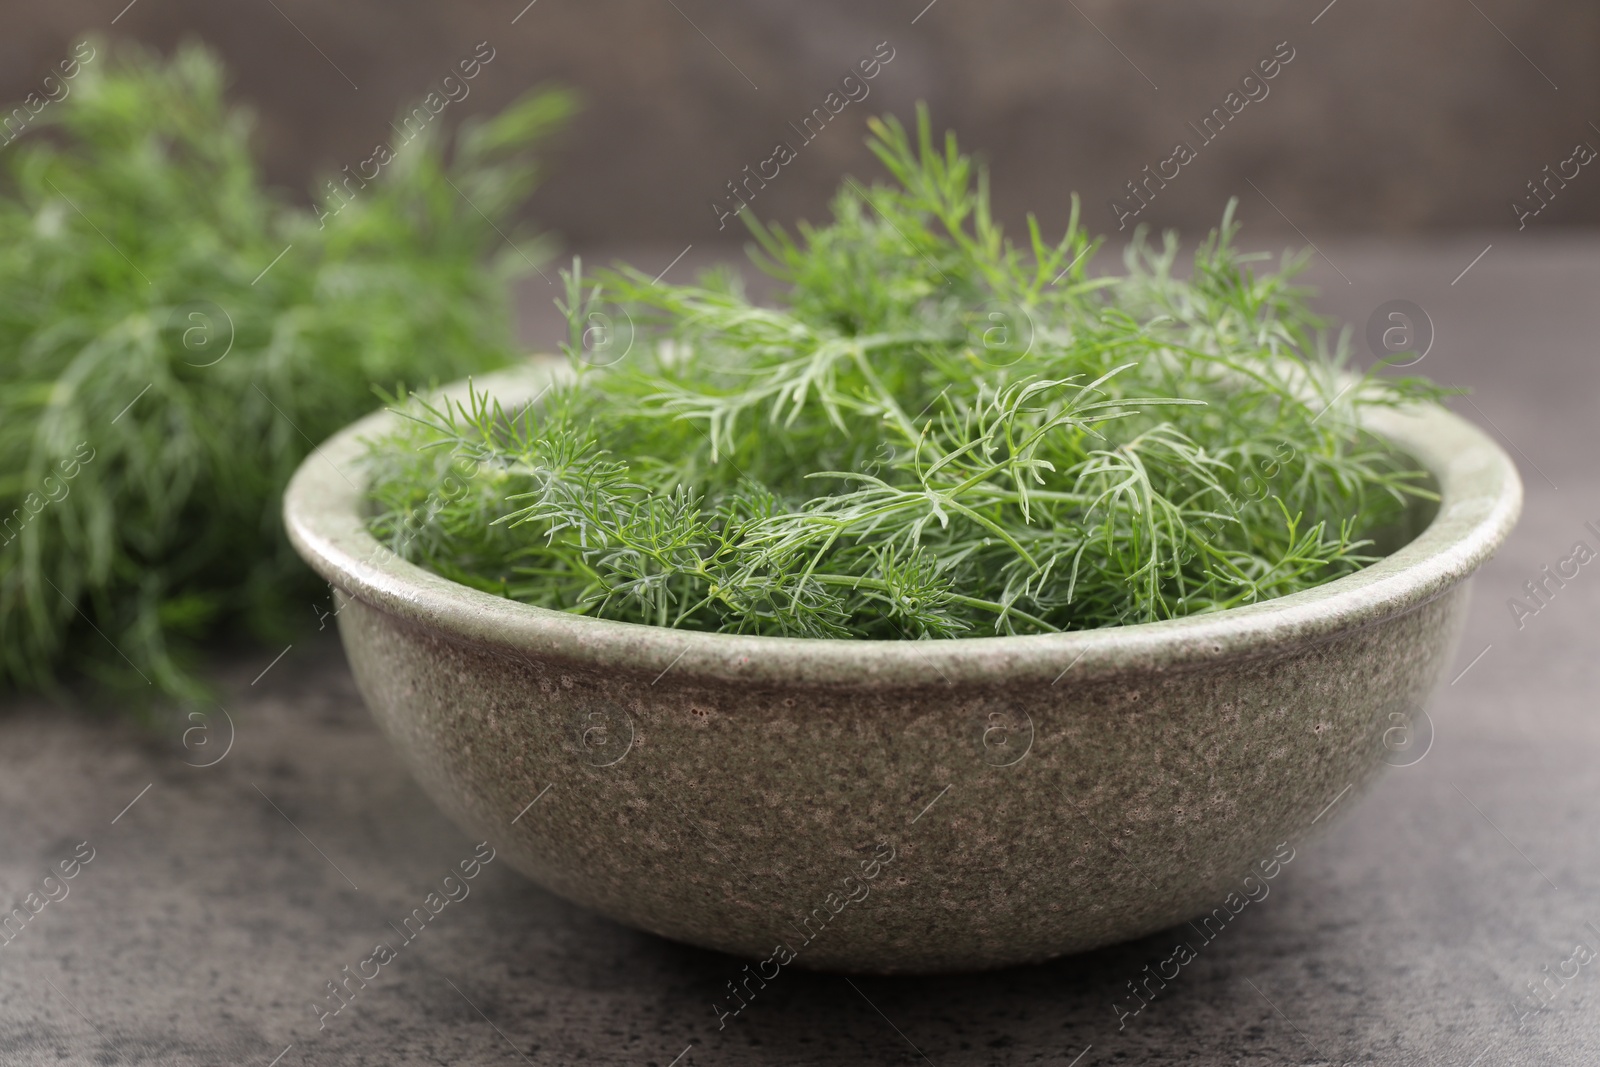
(938, 432)
(174, 340)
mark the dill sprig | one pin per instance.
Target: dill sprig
(938, 431)
(174, 338)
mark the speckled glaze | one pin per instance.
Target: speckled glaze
(891, 807)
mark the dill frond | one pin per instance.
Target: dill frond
(174, 339)
(937, 432)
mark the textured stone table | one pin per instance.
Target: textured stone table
(220, 899)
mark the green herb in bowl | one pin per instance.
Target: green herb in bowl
(936, 432)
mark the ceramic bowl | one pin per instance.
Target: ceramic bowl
(908, 806)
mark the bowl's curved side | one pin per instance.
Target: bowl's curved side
(904, 829)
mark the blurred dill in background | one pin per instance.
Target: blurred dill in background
(175, 338)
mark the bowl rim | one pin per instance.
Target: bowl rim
(1480, 500)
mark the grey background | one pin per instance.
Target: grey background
(1393, 117)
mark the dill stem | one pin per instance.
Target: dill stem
(885, 397)
(880, 586)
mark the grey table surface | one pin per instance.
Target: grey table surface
(220, 899)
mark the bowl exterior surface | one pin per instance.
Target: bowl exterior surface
(907, 828)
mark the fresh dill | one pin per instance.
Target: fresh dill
(174, 339)
(938, 431)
